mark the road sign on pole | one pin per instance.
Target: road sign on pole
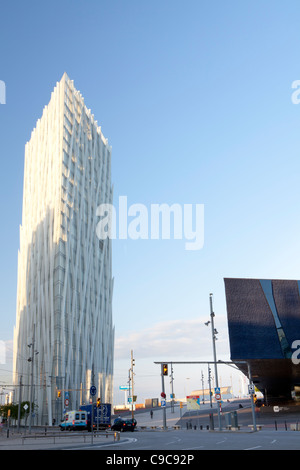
(124, 387)
(218, 393)
(93, 390)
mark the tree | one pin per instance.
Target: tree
(13, 407)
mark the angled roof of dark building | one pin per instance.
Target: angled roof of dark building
(263, 322)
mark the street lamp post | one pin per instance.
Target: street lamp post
(251, 396)
(214, 332)
(31, 382)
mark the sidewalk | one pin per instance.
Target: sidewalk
(57, 439)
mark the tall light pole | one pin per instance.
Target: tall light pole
(31, 383)
(132, 385)
(214, 332)
(251, 396)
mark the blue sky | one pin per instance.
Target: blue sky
(195, 99)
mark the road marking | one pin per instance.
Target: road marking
(251, 448)
(173, 442)
(191, 448)
(118, 443)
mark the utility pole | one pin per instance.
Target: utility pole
(213, 332)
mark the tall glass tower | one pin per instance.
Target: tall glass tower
(64, 335)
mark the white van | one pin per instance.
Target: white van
(74, 420)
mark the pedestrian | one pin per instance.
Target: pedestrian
(151, 414)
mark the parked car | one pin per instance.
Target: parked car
(124, 425)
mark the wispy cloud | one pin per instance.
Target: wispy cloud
(174, 338)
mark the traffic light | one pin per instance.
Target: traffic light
(98, 402)
(165, 369)
(58, 394)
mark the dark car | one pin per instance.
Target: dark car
(124, 425)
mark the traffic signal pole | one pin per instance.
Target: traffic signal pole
(163, 395)
(229, 363)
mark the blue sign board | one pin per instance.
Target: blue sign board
(93, 390)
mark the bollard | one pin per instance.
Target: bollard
(276, 425)
(7, 433)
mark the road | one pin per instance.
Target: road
(201, 440)
(171, 440)
(193, 435)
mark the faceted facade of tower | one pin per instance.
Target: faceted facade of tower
(64, 294)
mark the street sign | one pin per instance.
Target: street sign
(67, 397)
(251, 389)
(66, 402)
(93, 390)
(124, 387)
(218, 393)
(163, 403)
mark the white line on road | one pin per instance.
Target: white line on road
(126, 441)
(251, 448)
(173, 442)
(191, 448)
